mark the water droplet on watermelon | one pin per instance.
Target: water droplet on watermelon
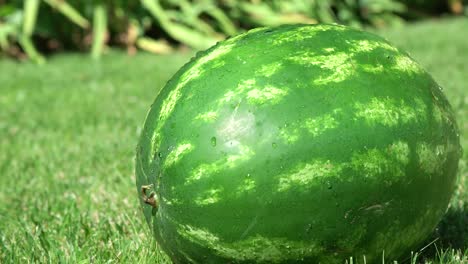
(248, 175)
(160, 155)
(274, 145)
(213, 141)
(329, 185)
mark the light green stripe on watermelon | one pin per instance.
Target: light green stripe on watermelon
(169, 103)
(287, 37)
(168, 106)
(308, 174)
(365, 45)
(209, 116)
(319, 125)
(342, 65)
(291, 132)
(372, 163)
(246, 186)
(338, 67)
(204, 170)
(269, 250)
(431, 158)
(375, 163)
(209, 197)
(406, 64)
(314, 126)
(248, 89)
(175, 155)
(207, 170)
(390, 112)
(400, 151)
(173, 201)
(236, 94)
(408, 233)
(437, 114)
(269, 69)
(301, 34)
(375, 69)
(268, 94)
(303, 58)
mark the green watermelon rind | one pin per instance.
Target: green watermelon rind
(300, 143)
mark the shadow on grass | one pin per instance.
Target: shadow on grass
(451, 233)
(453, 229)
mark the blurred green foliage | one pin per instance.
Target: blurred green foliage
(157, 25)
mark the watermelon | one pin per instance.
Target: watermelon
(297, 144)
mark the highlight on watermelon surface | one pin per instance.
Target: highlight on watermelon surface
(297, 144)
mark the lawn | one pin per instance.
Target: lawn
(68, 132)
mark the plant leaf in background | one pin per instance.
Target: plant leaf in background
(225, 24)
(29, 21)
(265, 15)
(159, 26)
(99, 30)
(68, 11)
(179, 32)
(154, 46)
(10, 23)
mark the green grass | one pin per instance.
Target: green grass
(68, 132)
